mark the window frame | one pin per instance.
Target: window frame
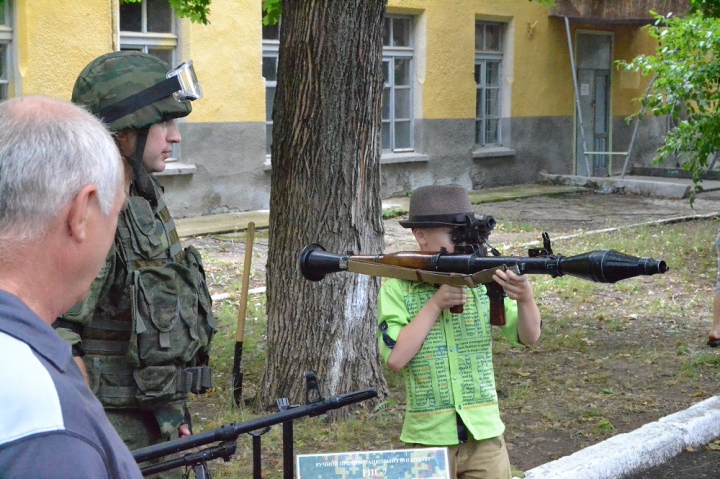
(6, 41)
(270, 49)
(482, 58)
(390, 54)
(145, 41)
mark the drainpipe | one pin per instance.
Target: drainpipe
(577, 97)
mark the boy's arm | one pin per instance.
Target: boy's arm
(517, 287)
(412, 335)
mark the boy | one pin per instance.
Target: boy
(446, 358)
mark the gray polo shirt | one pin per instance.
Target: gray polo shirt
(51, 425)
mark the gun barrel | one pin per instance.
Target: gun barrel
(232, 431)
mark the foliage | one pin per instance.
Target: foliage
(687, 70)
(272, 10)
(709, 8)
(196, 10)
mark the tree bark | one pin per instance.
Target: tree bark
(325, 188)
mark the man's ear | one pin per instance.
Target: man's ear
(80, 209)
(125, 140)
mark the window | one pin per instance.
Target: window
(270, 48)
(397, 99)
(5, 39)
(488, 68)
(149, 27)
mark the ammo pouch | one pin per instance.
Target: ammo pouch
(173, 324)
(161, 384)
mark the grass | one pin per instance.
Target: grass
(612, 357)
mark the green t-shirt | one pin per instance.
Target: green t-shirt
(453, 371)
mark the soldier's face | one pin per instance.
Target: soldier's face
(158, 147)
(160, 141)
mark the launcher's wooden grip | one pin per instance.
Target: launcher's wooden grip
(496, 295)
(497, 312)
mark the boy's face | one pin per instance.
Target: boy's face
(431, 240)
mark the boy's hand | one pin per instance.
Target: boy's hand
(517, 287)
(448, 296)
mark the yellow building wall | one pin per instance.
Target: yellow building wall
(628, 85)
(227, 56)
(541, 82)
(56, 39)
(539, 52)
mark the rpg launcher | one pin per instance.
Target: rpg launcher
(222, 442)
(473, 269)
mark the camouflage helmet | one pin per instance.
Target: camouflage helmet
(115, 76)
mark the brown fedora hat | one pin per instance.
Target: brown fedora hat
(438, 205)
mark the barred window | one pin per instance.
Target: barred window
(5, 49)
(270, 49)
(149, 27)
(488, 69)
(398, 75)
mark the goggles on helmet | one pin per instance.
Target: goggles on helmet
(189, 85)
(180, 82)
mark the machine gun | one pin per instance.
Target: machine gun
(227, 435)
(474, 268)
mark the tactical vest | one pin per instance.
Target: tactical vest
(148, 342)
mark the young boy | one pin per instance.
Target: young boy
(446, 358)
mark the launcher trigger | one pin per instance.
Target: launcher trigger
(546, 250)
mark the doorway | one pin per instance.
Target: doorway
(594, 59)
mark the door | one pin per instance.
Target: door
(594, 54)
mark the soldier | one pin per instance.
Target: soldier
(142, 334)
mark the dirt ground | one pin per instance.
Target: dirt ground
(569, 214)
(613, 376)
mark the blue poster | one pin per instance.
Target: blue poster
(427, 463)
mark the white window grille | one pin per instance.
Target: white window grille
(270, 49)
(149, 27)
(398, 75)
(5, 49)
(488, 71)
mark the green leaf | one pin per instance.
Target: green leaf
(196, 10)
(272, 10)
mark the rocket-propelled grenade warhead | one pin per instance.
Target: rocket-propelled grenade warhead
(608, 266)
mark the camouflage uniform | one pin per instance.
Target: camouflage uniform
(145, 327)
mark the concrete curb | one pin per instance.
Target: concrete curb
(651, 445)
(665, 189)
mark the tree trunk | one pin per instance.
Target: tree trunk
(325, 188)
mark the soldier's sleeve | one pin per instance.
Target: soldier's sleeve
(69, 326)
(169, 418)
